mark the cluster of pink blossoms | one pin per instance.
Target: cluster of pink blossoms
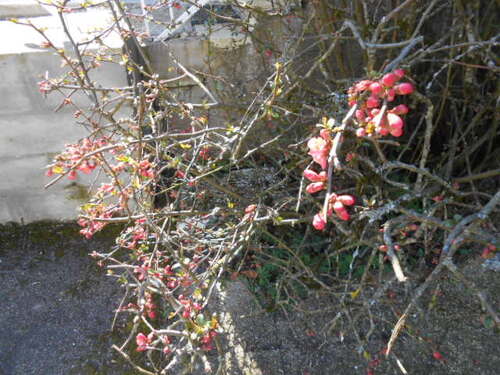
(76, 157)
(319, 149)
(372, 119)
(96, 220)
(190, 307)
(146, 342)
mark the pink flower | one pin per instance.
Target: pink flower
(85, 168)
(250, 209)
(380, 119)
(44, 86)
(361, 132)
(360, 115)
(108, 188)
(142, 342)
(394, 121)
(319, 149)
(142, 272)
(186, 314)
(325, 134)
(438, 356)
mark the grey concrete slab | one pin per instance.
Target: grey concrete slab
(22, 8)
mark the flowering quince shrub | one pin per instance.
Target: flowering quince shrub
(379, 189)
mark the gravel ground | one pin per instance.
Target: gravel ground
(57, 308)
(57, 305)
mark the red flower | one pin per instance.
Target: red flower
(142, 342)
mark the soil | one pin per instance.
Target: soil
(57, 309)
(299, 343)
(57, 305)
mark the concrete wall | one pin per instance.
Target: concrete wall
(31, 133)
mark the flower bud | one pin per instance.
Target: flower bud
(318, 222)
(404, 88)
(389, 79)
(315, 187)
(401, 109)
(391, 95)
(340, 210)
(372, 102)
(400, 73)
(363, 85)
(376, 88)
(347, 200)
(313, 176)
(360, 115)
